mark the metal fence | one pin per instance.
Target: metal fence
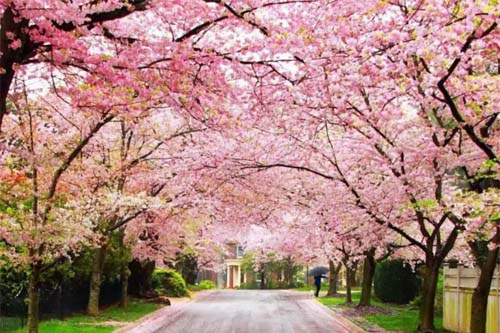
(13, 312)
(55, 303)
(459, 284)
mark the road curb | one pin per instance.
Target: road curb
(343, 321)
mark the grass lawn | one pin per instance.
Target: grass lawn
(324, 286)
(403, 318)
(106, 322)
(334, 301)
(10, 323)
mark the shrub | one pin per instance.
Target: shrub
(300, 284)
(169, 282)
(203, 285)
(13, 286)
(207, 284)
(395, 282)
(250, 285)
(193, 287)
(281, 285)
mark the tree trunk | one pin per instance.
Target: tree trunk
(348, 294)
(124, 274)
(34, 300)
(124, 271)
(368, 272)
(287, 277)
(288, 272)
(262, 281)
(8, 23)
(428, 297)
(481, 292)
(140, 277)
(96, 280)
(333, 278)
(354, 269)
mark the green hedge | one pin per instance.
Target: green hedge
(12, 284)
(300, 284)
(395, 282)
(203, 285)
(250, 285)
(207, 284)
(169, 282)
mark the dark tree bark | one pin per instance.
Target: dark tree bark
(354, 270)
(487, 264)
(288, 271)
(333, 278)
(34, 299)
(124, 275)
(368, 273)
(348, 279)
(96, 280)
(11, 23)
(262, 280)
(124, 271)
(481, 292)
(431, 273)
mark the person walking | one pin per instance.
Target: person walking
(317, 283)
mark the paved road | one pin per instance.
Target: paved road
(248, 311)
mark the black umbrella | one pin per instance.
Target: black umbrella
(319, 270)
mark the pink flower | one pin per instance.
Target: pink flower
(15, 44)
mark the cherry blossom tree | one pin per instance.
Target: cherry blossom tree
(132, 171)
(390, 61)
(195, 52)
(439, 59)
(346, 120)
(43, 221)
(389, 179)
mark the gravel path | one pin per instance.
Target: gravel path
(248, 311)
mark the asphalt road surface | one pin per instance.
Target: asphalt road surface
(249, 311)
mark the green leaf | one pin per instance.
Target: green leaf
(28, 205)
